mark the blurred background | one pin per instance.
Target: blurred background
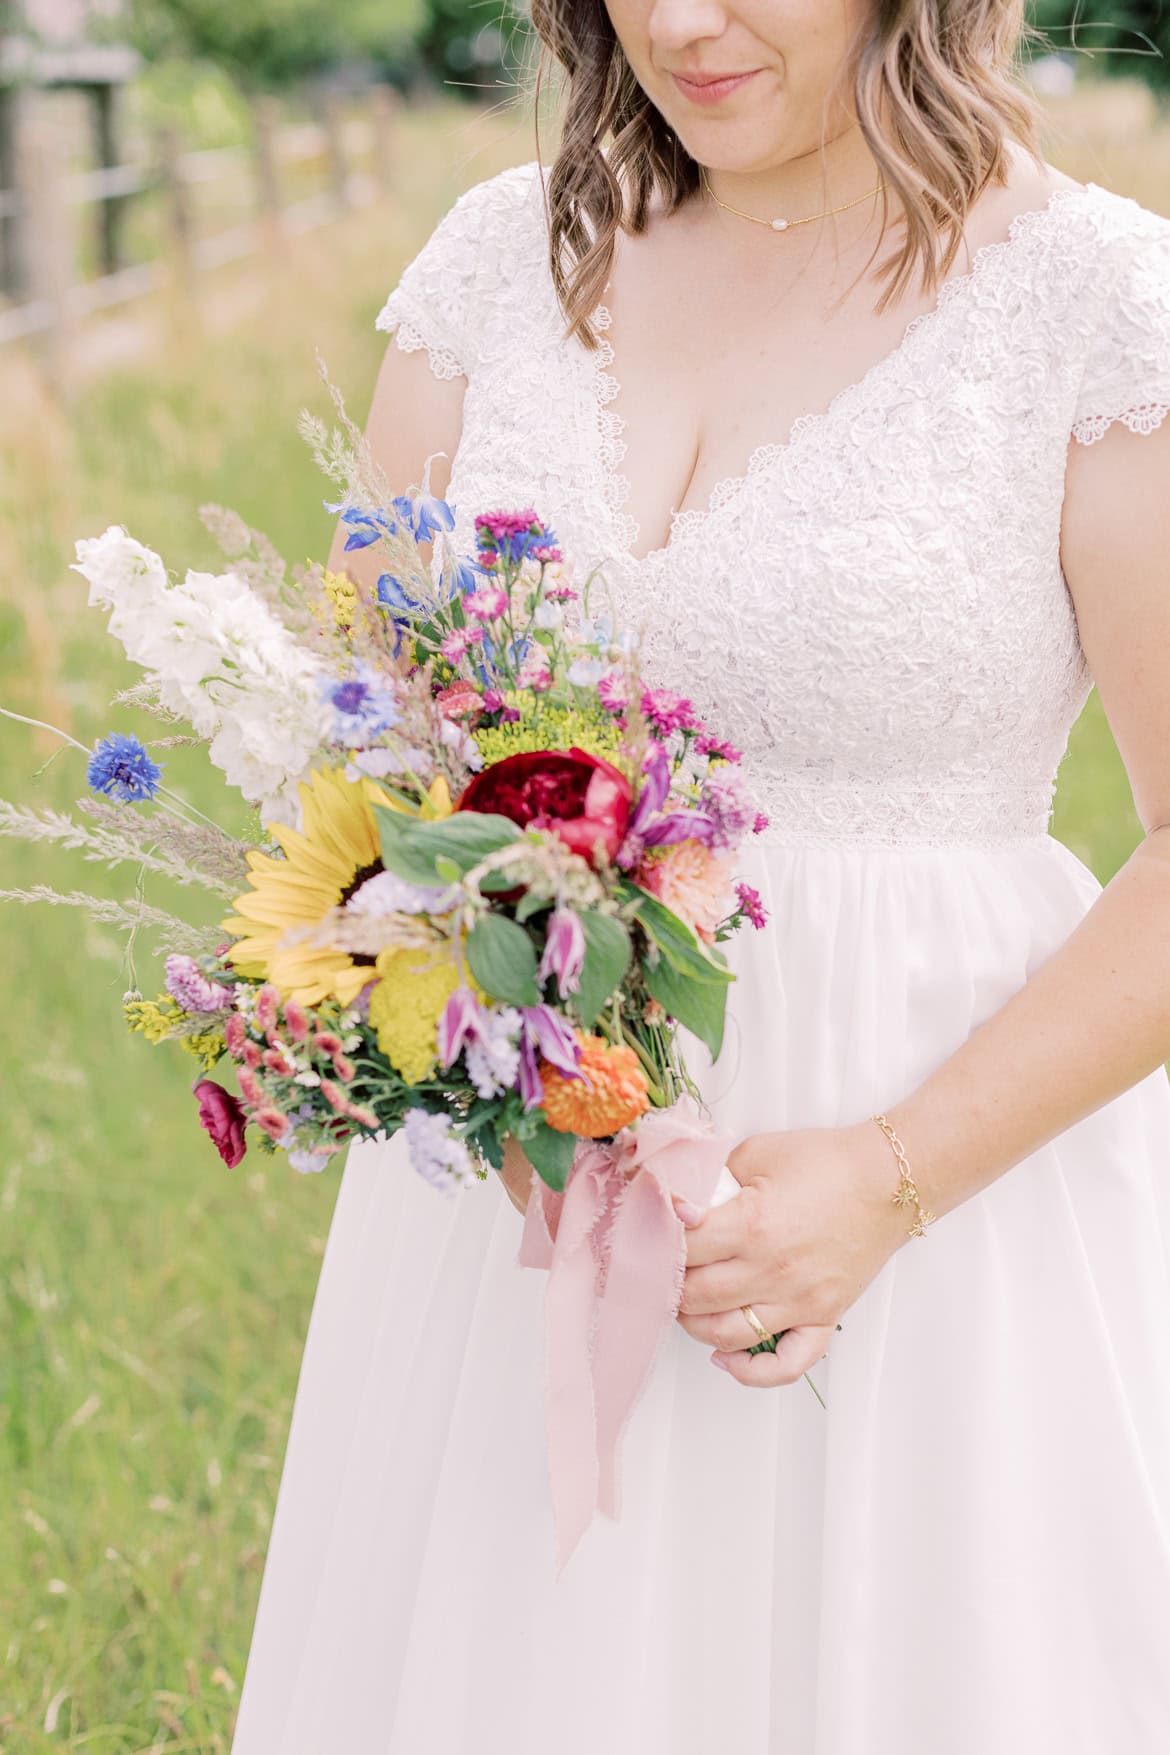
(196, 198)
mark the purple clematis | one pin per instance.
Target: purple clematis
(564, 950)
(650, 826)
(546, 1032)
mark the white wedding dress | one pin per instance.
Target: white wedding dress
(968, 1551)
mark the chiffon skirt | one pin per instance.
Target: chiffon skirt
(965, 1552)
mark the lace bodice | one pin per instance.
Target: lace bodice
(875, 610)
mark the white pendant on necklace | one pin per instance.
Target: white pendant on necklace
(778, 225)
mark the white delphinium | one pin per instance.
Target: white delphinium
(221, 659)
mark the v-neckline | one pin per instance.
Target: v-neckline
(610, 425)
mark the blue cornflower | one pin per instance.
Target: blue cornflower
(121, 768)
(364, 527)
(363, 705)
(424, 516)
(491, 669)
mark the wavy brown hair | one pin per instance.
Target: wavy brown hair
(936, 91)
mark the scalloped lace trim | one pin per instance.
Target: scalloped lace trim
(444, 362)
(1145, 418)
(829, 812)
(611, 425)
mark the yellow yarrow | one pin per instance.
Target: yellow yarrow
(156, 1019)
(206, 1045)
(341, 592)
(550, 728)
(407, 1003)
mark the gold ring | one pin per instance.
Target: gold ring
(755, 1322)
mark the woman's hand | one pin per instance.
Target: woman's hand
(516, 1174)
(812, 1225)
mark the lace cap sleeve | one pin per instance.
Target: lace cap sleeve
(445, 294)
(1127, 370)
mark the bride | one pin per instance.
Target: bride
(867, 436)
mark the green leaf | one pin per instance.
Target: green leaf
(551, 1154)
(607, 956)
(529, 904)
(447, 869)
(675, 940)
(700, 1006)
(411, 847)
(502, 958)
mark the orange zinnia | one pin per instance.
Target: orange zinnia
(612, 1094)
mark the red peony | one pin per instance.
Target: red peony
(583, 799)
(223, 1117)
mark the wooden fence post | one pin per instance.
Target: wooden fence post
(48, 234)
(269, 190)
(13, 262)
(332, 121)
(384, 104)
(180, 218)
(106, 103)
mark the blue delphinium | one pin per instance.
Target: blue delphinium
(121, 768)
(363, 705)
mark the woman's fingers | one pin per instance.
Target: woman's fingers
(796, 1352)
(729, 1330)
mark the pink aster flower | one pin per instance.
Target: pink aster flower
(669, 712)
(706, 745)
(692, 881)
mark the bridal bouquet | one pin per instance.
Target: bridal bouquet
(492, 874)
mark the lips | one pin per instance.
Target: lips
(709, 88)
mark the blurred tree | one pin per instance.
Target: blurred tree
(264, 43)
(1124, 39)
(275, 42)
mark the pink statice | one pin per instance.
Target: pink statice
(751, 907)
(189, 987)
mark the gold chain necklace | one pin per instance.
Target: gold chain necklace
(782, 225)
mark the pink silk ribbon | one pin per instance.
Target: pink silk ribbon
(615, 1250)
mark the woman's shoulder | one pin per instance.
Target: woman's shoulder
(467, 269)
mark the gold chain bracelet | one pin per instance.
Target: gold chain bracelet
(907, 1189)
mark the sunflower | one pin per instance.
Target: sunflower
(337, 848)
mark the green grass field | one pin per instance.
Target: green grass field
(154, 1303)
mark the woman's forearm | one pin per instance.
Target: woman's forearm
(1093, 1020)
